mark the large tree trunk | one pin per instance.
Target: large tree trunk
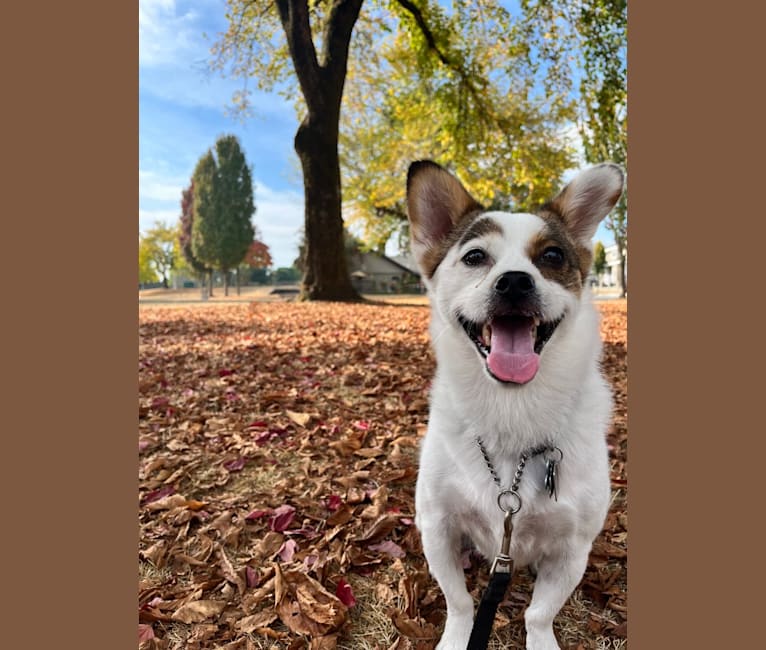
(326, 275)
(321, 79)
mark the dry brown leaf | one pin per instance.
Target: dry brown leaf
(412, 628)
(381, 527)
(198, 611)
(251, 623)
(305, 606)
(301, 419)
(228, 569)
(215, 385)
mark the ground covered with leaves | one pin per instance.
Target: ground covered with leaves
(277, 464)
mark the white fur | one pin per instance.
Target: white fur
(568, 402)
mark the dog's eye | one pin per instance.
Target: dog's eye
(552, 256)
(474, 257)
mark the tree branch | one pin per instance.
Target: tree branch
(337, 37)
(294, 15)
(466, 79)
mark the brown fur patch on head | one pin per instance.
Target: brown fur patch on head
(577, 257)
(479, 228)
(468, 227)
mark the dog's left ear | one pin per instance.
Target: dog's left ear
(588, 199)
(436, 202)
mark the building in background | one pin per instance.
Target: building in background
(375, 273)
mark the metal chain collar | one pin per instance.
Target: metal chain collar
(506, 497)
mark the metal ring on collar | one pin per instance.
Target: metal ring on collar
(504, 505)
(549, 454)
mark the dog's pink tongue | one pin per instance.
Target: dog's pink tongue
(512, 356)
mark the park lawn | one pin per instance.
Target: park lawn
(277, 464)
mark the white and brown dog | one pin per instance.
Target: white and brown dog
(517, 347)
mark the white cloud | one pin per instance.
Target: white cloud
(164, 35)
(149, 218)
(152, 187)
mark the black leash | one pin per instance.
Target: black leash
(502, 568)
(499, 579)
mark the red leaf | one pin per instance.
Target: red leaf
(345, 594)
(333, 502)
(251, 576)
(225, 372)
(390, 548)
(282, 518)
(235, 465)
(363, 425)
(257, 514)
(161, 493)
(145, 632)
(160, 402)
(287, 551)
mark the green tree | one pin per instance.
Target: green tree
(146, 273)
(604, 130)
(599, 258)
(590, 44)
(496, 131)
(287, 274)
(185, 228)
(222, 229)
(158, 248)
(454, 93)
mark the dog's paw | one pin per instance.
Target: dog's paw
(456, 633)
(542, 641)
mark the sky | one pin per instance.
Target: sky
(182, 110)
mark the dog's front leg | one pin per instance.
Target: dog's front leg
(441, 544)
(557, 577)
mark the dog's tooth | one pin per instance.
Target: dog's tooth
(486, 333)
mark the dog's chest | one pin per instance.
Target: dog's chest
(539, 528)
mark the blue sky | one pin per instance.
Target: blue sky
(182, 112)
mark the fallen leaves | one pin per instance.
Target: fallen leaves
(277, 463)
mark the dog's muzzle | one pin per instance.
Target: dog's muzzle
(512, 339)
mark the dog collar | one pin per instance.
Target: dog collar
(508, 499)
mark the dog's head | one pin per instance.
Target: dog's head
(507, 280)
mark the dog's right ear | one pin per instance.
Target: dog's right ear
(436, 202)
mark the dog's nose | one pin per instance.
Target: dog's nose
(515, 284)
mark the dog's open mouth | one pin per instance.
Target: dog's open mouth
(511, 344)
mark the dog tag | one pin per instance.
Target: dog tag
(550, 479)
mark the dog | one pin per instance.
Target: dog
(517, 347)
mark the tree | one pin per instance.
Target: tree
(604, 131)
(185, 237)
(599, 258)
(258, 256)
(157, 247)
(591, 39)
(287, 274)
(351, 249)
(269, 40)
(222, 229)
(502, 138)
(146, 273)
